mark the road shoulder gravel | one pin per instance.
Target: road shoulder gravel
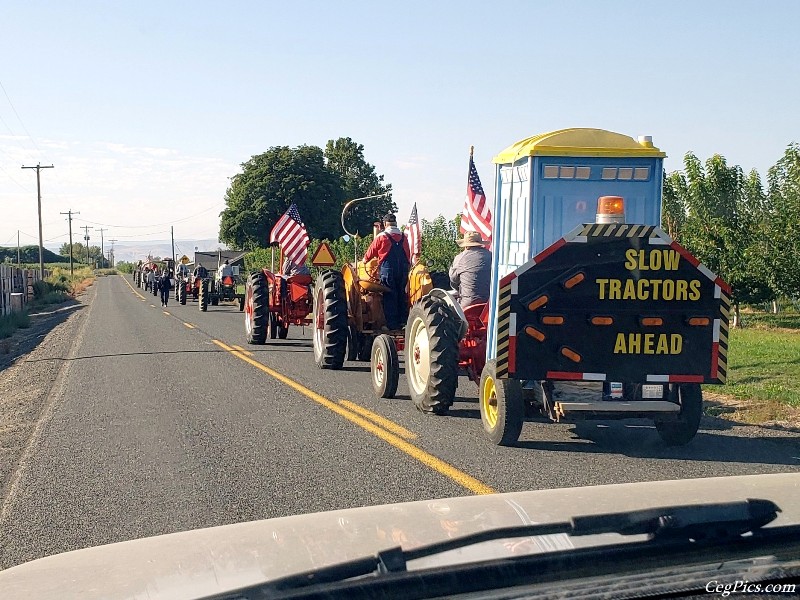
(30, 385)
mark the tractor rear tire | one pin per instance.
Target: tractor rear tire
(182, 293)
(272, 332)
(330, 320)
(256, 315)
(502, 406)
(432, 355)
(384, 367)
(204, 296)
(681, 431)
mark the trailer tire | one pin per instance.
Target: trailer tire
(681, 431)
(256, 312)
(432, 355)
(502, 406)
(330, 320)
(384, 367)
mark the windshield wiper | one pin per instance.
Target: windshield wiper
(691, 524)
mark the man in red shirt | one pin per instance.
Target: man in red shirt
(390, 247)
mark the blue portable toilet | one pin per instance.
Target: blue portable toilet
(548, 184)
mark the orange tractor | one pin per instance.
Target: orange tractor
(272, 302)
(439, 337)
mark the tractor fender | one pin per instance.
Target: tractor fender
(447, 298)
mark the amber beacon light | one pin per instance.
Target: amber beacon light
(610, 209)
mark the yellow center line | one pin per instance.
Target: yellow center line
(165, 312)
(132, 289)
(382, 421)
(189, 325)
(242, 350)
(429, 460)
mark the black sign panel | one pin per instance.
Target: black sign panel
(627, 308)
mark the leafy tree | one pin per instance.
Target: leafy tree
(439, 243)
(359, 179)
(124, 266)
(716, 212)
(268, 184)
(79, 252)
(782, 237)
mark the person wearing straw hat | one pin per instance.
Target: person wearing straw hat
(471, 272)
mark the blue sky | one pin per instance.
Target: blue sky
(147, 108)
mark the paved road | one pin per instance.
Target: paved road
(160, 424)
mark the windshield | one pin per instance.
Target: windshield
(263, 260)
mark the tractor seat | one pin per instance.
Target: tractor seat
(474, 311)
(299, 279)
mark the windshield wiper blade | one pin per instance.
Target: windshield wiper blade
(695, 524)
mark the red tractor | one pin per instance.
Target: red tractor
(272, 302)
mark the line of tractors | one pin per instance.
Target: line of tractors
(207, 287)
(591, 299)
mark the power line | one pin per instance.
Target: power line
(152, 224)
(25, 129)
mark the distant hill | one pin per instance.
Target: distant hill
(30, 254)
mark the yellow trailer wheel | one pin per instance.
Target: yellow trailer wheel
(502, 406)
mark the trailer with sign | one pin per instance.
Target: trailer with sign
(601, 297)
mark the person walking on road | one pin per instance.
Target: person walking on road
(151, 280)
(471, 273)
(391, 248)
(165, 286)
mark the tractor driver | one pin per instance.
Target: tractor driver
(390, 246)
(291, 268)
(471, 273)
(200, 272)
(226, 270)
(182, 271)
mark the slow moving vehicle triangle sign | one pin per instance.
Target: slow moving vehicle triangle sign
(323, 257)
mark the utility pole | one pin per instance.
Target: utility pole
(19, 264)
(70, 213)
(172, 234)
(111, 252)
(38, 168)
(86, 229)
(102, 248)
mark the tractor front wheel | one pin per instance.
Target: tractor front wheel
(679, 432)
(502, 406)
(384, 367)
(330, 320)
(432, 355)
(256, 310)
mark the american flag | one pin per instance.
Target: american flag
(414, 233)
(292, 236)
(476, 215)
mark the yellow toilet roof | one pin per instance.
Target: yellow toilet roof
(578, 141)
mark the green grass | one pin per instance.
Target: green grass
(12, 322)
(769, 320)
(763, 375)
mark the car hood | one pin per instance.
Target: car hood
(218, 559)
